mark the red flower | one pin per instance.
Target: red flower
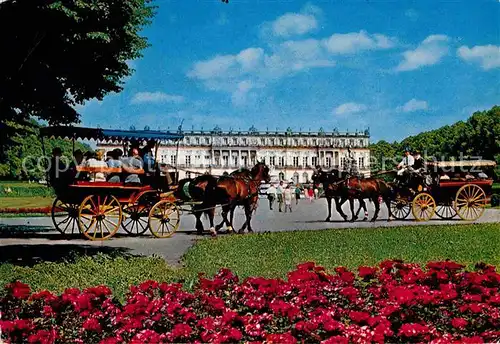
(19, 290)
(359, 317)
(181, 331)
(367, 272)
(92, 324)
(459, 323)
(43, 337)
(283, 338)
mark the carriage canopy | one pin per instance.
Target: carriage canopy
(107, 134)
(462, 163)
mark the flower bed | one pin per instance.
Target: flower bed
(394, 302)
(35, 210)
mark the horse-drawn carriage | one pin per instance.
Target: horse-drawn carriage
(97, 209)
(447, 189)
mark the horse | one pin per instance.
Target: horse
(332, 181)
(201, 189)
(371, 188)
(241, 187)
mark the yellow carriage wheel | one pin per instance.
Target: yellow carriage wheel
(65, 217)
(99, 217)
(423, 207)
(164, 219)
(470, 202)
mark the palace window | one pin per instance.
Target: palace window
(342, 143)
(272, 161)
(207, 141)
(188, 174)
(217, 161)
(197, 140)
(173, 160)
(187, 140)
(314, 161)
(304, 142)
(304, 161)
(328, 162)
(273, 142)
(295, 142)
(361, 143)
(282, 142)
(225, 141)
(315, 142)
(263, 141)
(244, 141)
(361, 162)
(225, 161)
(329, 142)
(207, 158)
(296, 161)
(235, 140)
(235, 161)
(281, 161)
(188, 160)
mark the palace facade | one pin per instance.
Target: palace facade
(290, 155)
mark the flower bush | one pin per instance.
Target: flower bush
(394, 302)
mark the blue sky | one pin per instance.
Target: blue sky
(397, 67)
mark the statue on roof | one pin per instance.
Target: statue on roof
(252, 129)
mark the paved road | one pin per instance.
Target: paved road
(47, 244)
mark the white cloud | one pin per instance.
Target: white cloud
(354, 42)
(155, 97)
(239, 96)
(414, 105)
(349, 108)
(487, 56)
(291, 24)
(428, 53)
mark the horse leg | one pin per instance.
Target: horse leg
(339, 204)
(329, 202)
(377, 208)
(199, 224)
(230, 228)
(226, 209)
(351, 204)
(362, 204)
(387, 201)
(248, 216)
(211, 215)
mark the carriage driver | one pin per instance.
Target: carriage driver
(405, 166)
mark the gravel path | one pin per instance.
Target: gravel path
(47, 244)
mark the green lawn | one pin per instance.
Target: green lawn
(25, 202)
(272, 255)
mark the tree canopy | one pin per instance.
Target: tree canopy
(59, 53)
(479, 136)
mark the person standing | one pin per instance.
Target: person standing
(279, 194)
(316, 193)
(310, 193)
(288, 198)
(297, 195)
(271, 196)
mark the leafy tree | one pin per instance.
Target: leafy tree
(23, 156)
(479, 136)
(59, 53)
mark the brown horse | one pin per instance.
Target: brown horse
(371, 188)
(201, 190)
(241, 188)
(331, 181)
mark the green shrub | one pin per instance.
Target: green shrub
(25, 190)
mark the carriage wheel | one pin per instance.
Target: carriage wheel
(423, 207)
(99, 217)
(446, 211)
(400, 208)
(135, 219)
(164, 219)
(470, 202)
(65, 217)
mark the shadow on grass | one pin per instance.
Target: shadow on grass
(29, 255)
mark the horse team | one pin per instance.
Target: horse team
(241, 188)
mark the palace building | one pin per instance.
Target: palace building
(291, 155)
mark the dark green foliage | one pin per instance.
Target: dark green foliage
(62, 53)
(479, 136)
(23, 145)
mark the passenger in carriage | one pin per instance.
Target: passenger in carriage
(96, 160)
(77, 161)
(57, 169)
(131, 165)
(404, 167)
(148, 157)
(114, 162)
